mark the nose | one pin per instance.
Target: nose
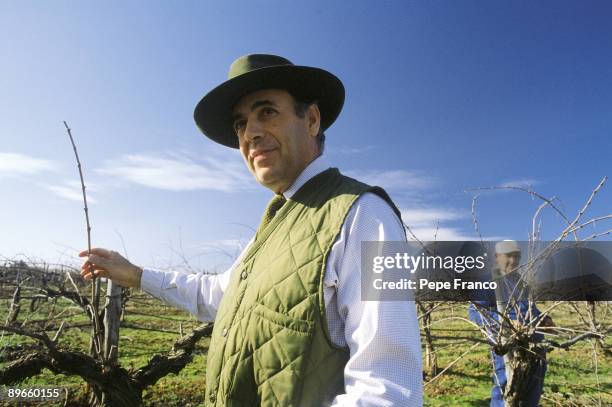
(253, 131)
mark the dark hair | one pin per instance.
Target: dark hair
(300, 108)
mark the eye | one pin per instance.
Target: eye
(267, 111)
(239, 126)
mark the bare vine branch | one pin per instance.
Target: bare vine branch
(95, 283)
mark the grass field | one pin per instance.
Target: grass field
(571, 379)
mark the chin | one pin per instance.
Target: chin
(266, 177)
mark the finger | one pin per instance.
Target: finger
(92, 260)
(101, 273)
(88, 272)
(90, 276)
(96, 250)
(98, 261)
(94, 272)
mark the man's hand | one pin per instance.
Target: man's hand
(110, 264)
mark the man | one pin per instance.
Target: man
(290, 326)
(511, 300)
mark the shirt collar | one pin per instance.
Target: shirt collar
(317, 166)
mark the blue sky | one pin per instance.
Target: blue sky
(441, 97)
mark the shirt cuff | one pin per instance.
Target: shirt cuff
(151, 281)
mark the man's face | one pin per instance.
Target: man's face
(508, 262)
(276, 144)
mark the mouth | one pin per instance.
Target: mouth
(259, 155)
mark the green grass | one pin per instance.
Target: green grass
(570, 378)
(136, 348)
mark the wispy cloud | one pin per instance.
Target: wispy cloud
(393, 179)
(178, 172)
(429, 217)
(432, 224)
(524, 183)
(427, 224)
(20, 164)
(350, 150)
(426, 221)
(440, 234)
(73, 191)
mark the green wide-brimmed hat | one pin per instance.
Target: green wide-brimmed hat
(250, 73)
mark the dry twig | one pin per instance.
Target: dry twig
(95, 283)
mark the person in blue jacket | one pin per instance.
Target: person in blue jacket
(485, 313)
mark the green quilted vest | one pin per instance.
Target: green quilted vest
(270, 345)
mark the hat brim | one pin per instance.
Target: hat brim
(213, 114)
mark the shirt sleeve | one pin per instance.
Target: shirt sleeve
(384, 368)
(197, 293)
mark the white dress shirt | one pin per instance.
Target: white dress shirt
(384, 368)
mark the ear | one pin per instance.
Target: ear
(314, 119)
